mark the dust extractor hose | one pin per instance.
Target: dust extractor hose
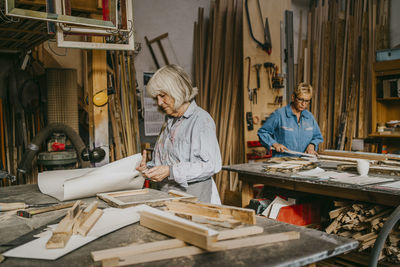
(25, 164)
(383, 234)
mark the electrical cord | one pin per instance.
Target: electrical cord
(383, 234)
(51, 49)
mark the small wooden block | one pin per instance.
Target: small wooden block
(63, 230)
(85, 227)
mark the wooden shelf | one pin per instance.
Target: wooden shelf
(385, 135)
(388, 99)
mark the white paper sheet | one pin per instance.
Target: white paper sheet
(80, 183)
(361, 180)
(394, 185)
(107, 223)
(273, 208)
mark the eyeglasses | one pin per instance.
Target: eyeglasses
(302, 100)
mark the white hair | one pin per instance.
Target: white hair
(175, 82)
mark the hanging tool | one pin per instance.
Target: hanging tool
(269, 68)
(277, 79)
(267, 45)
(21, 205)
(30, 213)
(249, 91)
(257, 67)
(249, 121)
(297, 153)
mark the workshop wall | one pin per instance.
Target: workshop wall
(156, 17)
(267, 97)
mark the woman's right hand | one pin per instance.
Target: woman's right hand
(279, 147)
(142, 166)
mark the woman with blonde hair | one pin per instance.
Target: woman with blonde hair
(186, 154)
(292, 127)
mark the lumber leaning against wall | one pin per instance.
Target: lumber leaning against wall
(341, 44)
(218, 62)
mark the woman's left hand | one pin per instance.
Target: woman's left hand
(311, 150)
(157, 173)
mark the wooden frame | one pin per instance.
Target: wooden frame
(112, 197)
(12, 10)
(122, 26)
(210, 211)
(179, 228)
(130, 46)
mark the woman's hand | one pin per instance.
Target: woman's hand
(279, 147)
(311, 150)
(157, 174)
(142, 166)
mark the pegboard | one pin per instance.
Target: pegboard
(266, 96)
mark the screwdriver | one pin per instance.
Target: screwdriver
(21, 205)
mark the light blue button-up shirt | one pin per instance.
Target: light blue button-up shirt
(282, 127)
(188, 145)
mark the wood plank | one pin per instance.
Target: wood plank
(240, 232)
(63, 231)
(222, 222)
(191, 250)
(100, 114)
(242, 214)
(192, 208)
(88, 224)
(135, 249)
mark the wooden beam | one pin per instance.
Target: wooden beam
(100, 114)
(179, 228)
(63, 232)
(88, 224)
(192, 250)
(136, 249)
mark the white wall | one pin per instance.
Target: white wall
(155, 17)
(394, 23)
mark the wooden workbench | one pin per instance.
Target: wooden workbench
(312, 246)
(253, 173)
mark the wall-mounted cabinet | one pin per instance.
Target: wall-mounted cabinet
(386, 102)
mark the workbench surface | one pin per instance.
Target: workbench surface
(253, 173)
(312, 246)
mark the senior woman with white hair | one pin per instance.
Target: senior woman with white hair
(186, 153)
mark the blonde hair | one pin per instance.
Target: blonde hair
(303, 88)
(175, 82)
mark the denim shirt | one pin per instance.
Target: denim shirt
(282, 127)
(189, 146)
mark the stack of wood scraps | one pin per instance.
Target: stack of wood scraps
(290, 166)
(219, 215)
(77, 221)
(363, 222)
(191, 239)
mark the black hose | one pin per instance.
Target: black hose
(383, 234)
(25, 164)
